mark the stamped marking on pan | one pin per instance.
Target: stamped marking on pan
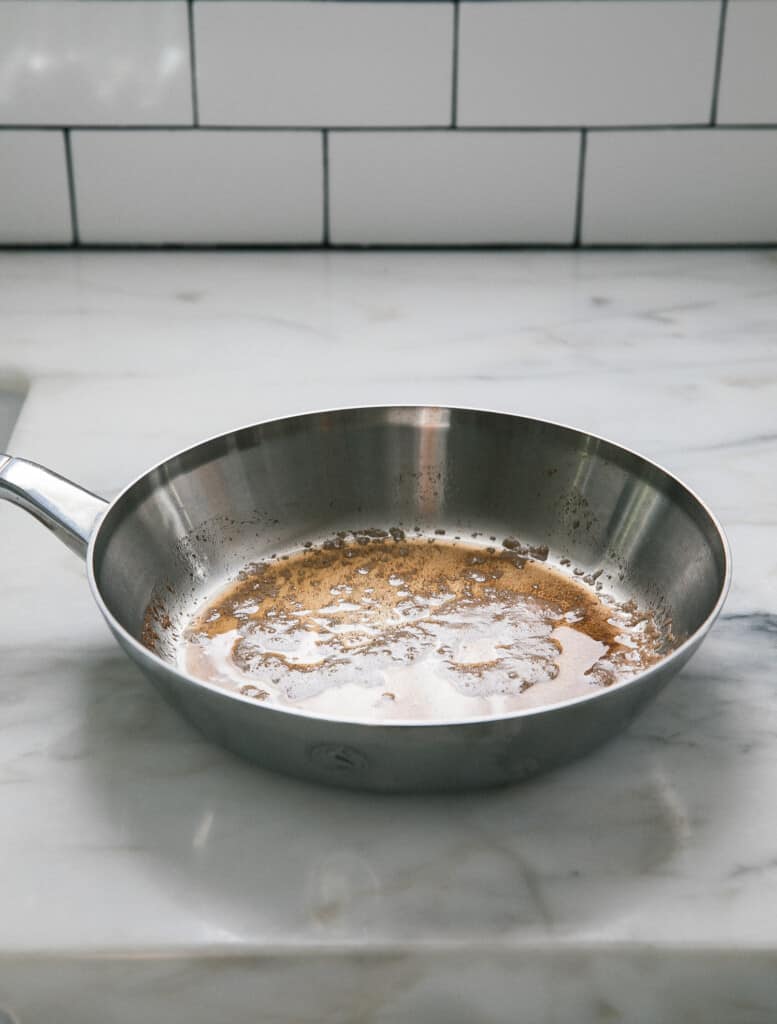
(334, 757)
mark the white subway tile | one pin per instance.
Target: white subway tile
(324, 63)
(681, 186)
(199, 187)
(587, 62)
(117, 62)
(34, 200)
(748, 79)
(443, 187)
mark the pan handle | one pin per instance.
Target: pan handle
(64, 507)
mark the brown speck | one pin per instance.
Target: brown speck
(254, 692)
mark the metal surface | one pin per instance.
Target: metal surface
(63, 507)
(185, 527)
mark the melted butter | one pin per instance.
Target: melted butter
(413, 629)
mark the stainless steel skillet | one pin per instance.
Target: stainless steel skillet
(185, 527)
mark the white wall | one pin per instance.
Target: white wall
(507, 122)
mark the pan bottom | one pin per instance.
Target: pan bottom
(376, 625)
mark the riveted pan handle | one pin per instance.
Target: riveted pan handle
(65, 508)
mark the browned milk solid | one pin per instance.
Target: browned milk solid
(382, 627)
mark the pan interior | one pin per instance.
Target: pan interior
(397, 626)
(187, 528)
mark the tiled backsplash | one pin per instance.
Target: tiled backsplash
(359, 122)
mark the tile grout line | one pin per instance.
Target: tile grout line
(193, 65)
(455, 66)
(718, 61)
(505, 129)
(325, 155)
(580, 187)
(175, 247)
(71, 188)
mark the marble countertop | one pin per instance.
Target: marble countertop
(143, 869)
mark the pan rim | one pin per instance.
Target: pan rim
(144, 655)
